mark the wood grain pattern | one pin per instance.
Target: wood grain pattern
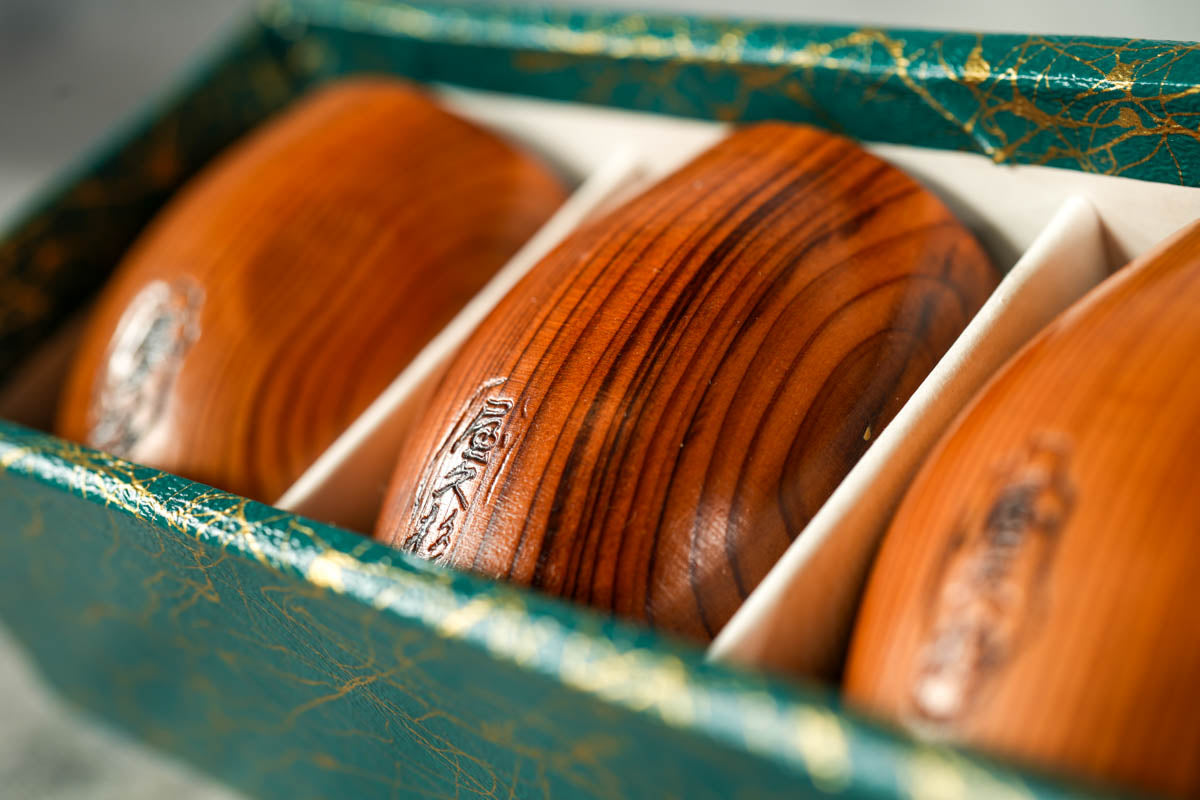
(285, 287)
(1037, 593)
(651, 416)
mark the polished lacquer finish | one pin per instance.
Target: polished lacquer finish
(648, 420)
(1037, 592)
(285, 287)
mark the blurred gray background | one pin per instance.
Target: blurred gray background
(71, 69)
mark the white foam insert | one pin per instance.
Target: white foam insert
(1006, 206)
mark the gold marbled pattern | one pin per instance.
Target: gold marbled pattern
(286, 656)
(1120, 107)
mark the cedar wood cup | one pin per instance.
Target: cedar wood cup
(653, 414)
(1037, 591)
(293, 279)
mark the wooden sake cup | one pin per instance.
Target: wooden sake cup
(289, 283)
(647, 421)
(1036, 594)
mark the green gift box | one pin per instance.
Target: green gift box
(291, 658)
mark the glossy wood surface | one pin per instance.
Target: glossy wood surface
(287, 285)
(654, 413)
(1037, 593)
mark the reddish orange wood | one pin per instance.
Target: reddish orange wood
(652, 415)
(1037, 591)
(291, 281)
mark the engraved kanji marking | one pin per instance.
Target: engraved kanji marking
(144, 357)
(444, 500)
(991, 582)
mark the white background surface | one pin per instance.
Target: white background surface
(71, 69)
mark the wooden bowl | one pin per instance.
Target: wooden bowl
(647, 421)
(287, 284)
(1037, 594)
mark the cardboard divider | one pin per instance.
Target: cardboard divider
(799, 618)
(1007, 207)
(578, 138)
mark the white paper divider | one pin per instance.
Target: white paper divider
(345, 485)
(577, 137)
(1007, 205)
(799, 618)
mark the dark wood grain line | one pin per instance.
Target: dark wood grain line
(597, 276)
(703, 277)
